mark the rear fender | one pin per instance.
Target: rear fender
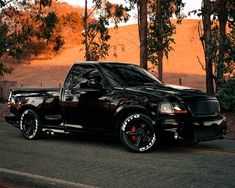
(35, 102)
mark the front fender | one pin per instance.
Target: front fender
(130, 108)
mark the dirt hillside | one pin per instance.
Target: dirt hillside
(182, 62)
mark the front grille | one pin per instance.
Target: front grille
(204, 108)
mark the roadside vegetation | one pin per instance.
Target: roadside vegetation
(29, 30)
(218, 41)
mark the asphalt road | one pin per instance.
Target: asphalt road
(69, 161)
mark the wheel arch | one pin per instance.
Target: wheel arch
(31, 107)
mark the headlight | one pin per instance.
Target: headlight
(166, 108)
(172, 108)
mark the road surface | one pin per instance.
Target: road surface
(72, 161)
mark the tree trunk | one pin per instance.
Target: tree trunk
(222, 16)
(208, 52)
(160, 65)
(142, 22)
(158, 25)
(86, 33)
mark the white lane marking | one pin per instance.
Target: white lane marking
(45, 179)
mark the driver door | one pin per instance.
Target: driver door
(85, 99)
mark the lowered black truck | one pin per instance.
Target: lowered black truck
(116, 99)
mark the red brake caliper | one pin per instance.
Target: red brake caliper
(133, 128)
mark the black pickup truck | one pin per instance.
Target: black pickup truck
(116, 99)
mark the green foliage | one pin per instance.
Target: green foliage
(226, 95)
(48, 25)
(228, 60)
(4, 70)
(98, 3)
(3, 38)
(160, 40)
(43, 2)
(25, 24)
(222, 43)
(98, 36)
(26, 29)
(72, 20)
(59, 42)
(161, 29)
(98, 33)
(117, 13)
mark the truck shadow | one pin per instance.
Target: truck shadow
(163, 146)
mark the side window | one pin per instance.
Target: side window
(83, 77)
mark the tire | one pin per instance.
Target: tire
(137, 133)
(30, 125)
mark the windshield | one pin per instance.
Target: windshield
(128, 75)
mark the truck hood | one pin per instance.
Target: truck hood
(165, 91)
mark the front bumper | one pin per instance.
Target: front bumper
(209, 130)
(196, 129)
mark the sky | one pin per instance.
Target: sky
(189, 5)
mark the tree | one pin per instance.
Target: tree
(3, 38)
(28, 28)
(155, 37)
(143, 29)
(218, 42)
(96, 32)
(223, 56)
(5, 70)
(207, 43)
(142, 6)
(161, 29)
(86, 32)
(225, 10)
(222, 17)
